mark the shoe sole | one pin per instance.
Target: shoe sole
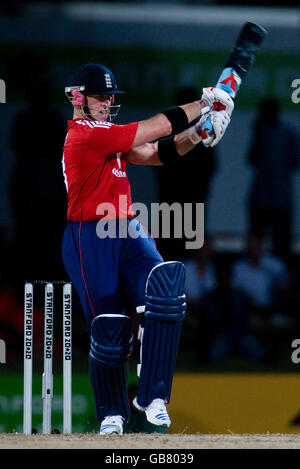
(111, 432)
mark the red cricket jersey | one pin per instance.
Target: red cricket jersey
(95, 169)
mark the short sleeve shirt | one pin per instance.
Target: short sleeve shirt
(94, 169)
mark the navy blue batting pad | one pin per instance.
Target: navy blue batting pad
(164, 313)
(111, 346)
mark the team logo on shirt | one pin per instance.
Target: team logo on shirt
(108, 81)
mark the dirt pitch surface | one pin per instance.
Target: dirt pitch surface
(150, 441)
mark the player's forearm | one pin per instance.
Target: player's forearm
(183, 143)
(151, 129)
(172, 149)
(192, 110)
(172, 121)
(162, 152)
(146, 154)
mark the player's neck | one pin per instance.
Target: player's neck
(78, 115)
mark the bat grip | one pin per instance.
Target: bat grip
(230, 85)
(207, 128)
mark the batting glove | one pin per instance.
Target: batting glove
(217, 100)
(195, 133)
(220, 121)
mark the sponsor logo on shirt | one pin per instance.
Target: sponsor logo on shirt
(118, 173)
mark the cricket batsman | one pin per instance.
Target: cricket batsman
(125, 262)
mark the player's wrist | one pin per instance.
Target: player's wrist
(195, 133)
(204, 106)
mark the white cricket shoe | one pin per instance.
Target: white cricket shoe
(156, 412)
(113, 424)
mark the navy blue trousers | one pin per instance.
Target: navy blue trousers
(103, 270)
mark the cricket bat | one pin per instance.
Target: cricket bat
(238, 64)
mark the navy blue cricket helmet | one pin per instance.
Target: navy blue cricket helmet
(96, 79)
(91, 79)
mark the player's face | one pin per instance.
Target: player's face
(99, 106)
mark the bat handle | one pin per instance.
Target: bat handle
(229, 81)
(207, 128)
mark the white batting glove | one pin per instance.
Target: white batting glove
(194, 133)
(207, 100)
(220, 121)
(216, 99)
